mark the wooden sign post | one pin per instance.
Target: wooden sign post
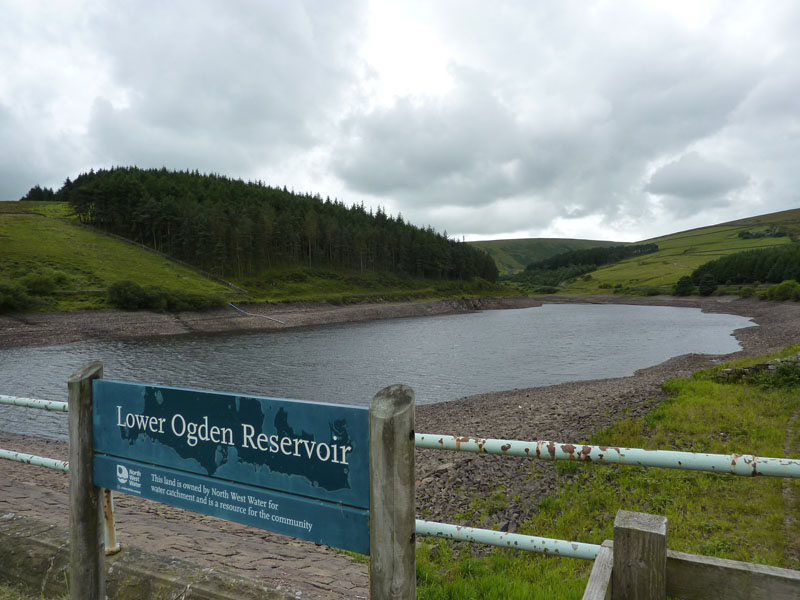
(86, 552)
(392, 564)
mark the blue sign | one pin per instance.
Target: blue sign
(305, 518)
(309, 459)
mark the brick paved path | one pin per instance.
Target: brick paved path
(270, 559)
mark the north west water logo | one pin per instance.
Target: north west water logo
(122, 474)
(130, 480)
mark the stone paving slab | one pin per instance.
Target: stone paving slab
(304, 568)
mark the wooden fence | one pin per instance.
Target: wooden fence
(638, 566)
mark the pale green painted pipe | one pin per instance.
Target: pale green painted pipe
(503, 539)
(32, 459)
(35, 403)
(736, 464)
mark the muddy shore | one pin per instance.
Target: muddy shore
(40, 329)
(448, 482)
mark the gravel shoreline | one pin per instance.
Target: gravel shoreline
(447, 483)
(42, 329)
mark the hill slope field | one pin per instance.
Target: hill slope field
(512, 256)
(681, 253)
(75, 264)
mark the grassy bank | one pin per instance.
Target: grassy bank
(717, 515)
(51, 263)
(8, 592)
(61, 266)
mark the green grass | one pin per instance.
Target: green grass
(514, 255)
(8, 592)
(716, 515)
(45, 240)
(681, 253)
(309, 284)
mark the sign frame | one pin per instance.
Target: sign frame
(309, 460)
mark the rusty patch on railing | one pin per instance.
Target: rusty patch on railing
(747, 459)
(551, 448)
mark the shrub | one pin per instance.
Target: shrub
(39, 284)
(707, 285)
(127, 295)
(684, 287)
(131, 296)
(787, 290)
(179, 301)
(747, 292)
(13, 297)
(785, 375)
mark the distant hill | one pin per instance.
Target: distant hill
(681, 253)
(512, 256)
(237, 229)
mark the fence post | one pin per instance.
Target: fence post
(640, 557)
(392, 566)
(86, 528)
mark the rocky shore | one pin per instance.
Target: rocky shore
(448, 483)
(570, 412)
(40, 329)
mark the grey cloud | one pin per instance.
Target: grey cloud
(695, 178)
(27, 160)
(238, 87)
(574, 124)
(693, 184)
(449, 150)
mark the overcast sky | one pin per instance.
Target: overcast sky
(601, 120)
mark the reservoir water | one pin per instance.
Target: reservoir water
(442, 358)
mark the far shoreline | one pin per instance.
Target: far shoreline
(43, 329)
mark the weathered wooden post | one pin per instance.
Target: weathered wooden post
(86, 527)
(640, 557)
(599, 585)
(392, 569)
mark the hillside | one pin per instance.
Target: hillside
(512, 256)
(237, 229)
(681, 253)
(72, 266)
(50, 262)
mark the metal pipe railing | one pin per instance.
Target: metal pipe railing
(52, 405)
(503, 539)
(32, 459)
(111, 544)
(736, 464)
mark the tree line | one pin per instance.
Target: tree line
(765, 265)
(545, 275)
(234, 228)
(592, 257)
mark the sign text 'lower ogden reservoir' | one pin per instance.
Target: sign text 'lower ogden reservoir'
(294, 467)
(195, 433)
